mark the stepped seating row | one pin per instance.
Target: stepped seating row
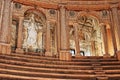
(29, 67)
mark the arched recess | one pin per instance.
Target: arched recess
(34, 31)
(90, 35)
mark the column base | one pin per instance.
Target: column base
(19, 50)
(48, 54)
(78, 55)
(65, 55)
(106, 56)
(118, 55)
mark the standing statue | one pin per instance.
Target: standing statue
(30, 33)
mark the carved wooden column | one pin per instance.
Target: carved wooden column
(116, 24)
(20, 33)
(110, 43)
(112, 30)
(65, 52)
(5, 28)
(105, 40)
(77, 54)
(48, 46)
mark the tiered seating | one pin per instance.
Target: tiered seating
(34, 67)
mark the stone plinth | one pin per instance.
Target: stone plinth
(48, 54)
(106, 56)
(19, 50)
(65, 55)
(5, 48)
(118, 55)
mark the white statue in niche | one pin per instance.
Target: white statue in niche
(32, 34)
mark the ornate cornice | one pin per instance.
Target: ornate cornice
(71, 5)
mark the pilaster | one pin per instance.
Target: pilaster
(114, 9)
(64, 52)
(48, 50)
(112, 29)
(5, 47)
(105, 41)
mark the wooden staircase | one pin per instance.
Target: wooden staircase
(34, 67)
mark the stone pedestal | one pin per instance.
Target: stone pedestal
(65, 55)
(48, 54)
(19, 50)
(118, 55)
(106, 55)
(5, 48)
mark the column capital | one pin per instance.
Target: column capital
(62, 6)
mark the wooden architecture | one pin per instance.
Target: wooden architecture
(62, 31)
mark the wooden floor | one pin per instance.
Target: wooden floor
(35, 67)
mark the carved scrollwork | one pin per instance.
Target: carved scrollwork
(85, 21)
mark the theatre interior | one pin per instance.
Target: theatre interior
(59, 39)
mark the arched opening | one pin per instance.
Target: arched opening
(33, 31)
(90, 36)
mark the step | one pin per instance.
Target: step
(110, 63)
(102, 78)
(101, 73)
(112, 71)
(33, 56)
(43, 61)
(53, 58)
(109, 67)
(113, 76)
(44, 65)
(47, 70)
(45, 75)
(96, 64)
(98, 68)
